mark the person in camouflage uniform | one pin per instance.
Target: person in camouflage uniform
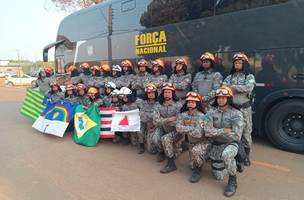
(96, 75)
(86, 73)
(129, 103)
(206, 82)
(74, 74)
(142, 79)
(70, 93)
(115, 76)
(181, 78)
(242, 83)
(94, 97)
(42, 83)
(107, 98)
(164, 117)
(55, 94)
(82, 97)
(50, 74)
(105, 74)
(158, 78)
(147, 128)
(224, 125)
(128, 74)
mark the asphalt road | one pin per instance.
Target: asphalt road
(36, 166)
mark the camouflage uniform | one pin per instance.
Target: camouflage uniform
(117, 80)
(126, 80)
(147, 127)
(160, 113)
(97, 102)
(43, 85)
(139, 83)
(182, 84)
(84, 78)
(75, 80)
(107, 100)
(244, 86)
(55, 97)
(159, 81)
(84, 100)
(72, 99)
(131, 135)
(206, 83)
(225, 145)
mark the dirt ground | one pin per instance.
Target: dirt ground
(36, 166)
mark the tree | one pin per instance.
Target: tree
(68, 5)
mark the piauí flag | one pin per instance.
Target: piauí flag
(87, 126)
(55, 118)
(128, 121)
(33, 104)
(106, 121)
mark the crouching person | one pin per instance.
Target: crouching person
(224, 125)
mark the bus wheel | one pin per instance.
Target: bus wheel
(284, 125)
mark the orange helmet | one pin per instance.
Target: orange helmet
(224, 91)
(72, 68)
(168, 86)
(180, 61)
(142, 62)
(92, 90)
(240, 56)
(48, 69)
(70, 87)
(126, 63)
(105, 67)
(96, 67)
(54, 84)
(85, 65)
(81, 86)
(208, 56)
(158, 62)
(193, 96)
(151, 87)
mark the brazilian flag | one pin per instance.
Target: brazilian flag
(33, 104)
(87, 126)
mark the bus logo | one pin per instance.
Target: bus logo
(151, 43)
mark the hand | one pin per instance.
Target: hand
(227, 130)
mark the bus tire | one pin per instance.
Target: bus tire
(284, 125)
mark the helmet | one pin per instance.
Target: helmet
(85, 65)
(92, 90)
(70, 87)
(126, 63)
(158, 62)
(54, 84)
(81, 86)
(208, 56)
(48, 69)
(240, 56)
(72, 68)
(115, 92)
(96, 67)
(168, 86)
(116, 68)
(142, 62)
(125, 91)
(180, 61)
(110, 84)
(224, 91)
(193, 96)
(105, 67)
(151, 87)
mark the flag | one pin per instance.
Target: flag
(106, 121)
(33, 104)
(87, 126)
(55, 118)
(128, 121)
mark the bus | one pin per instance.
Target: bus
(270, 32)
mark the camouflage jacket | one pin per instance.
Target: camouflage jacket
(83, 100)
(216, 121)
(129, 106)
(146, 109)
(72, 99)
(140, 81)
(182, 84)
(43, 85)
(55, 97)
(159, 80)
(126, 80)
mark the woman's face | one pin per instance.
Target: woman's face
(70, 92)
(238, 65)
(179, 67)
(206, 64)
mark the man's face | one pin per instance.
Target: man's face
(142, 69)
(222, 101)
(151, 95)
(168, 94)
(206, 64)
(191, 104)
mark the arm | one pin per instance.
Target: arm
(248, 87)
(195, 82)
(216, 84)
(184, 84)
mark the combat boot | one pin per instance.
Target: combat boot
(196, 175)
(231, 187)
(170, 167)
(161, 157)
(141, 149)
(240, 166)
(247, 162)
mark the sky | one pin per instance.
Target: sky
(26, 26)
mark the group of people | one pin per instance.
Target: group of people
(207, 115)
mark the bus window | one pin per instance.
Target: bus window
(128, 5)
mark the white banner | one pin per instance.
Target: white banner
(128, 121)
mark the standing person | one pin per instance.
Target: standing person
(82, 97)
(96, 74)
(115, 74)
(94, 97)
(181, 78)
(74, 74)
(142, 79)
(207, 81)
(105, 74)
(224, 125)
(128, 74)
(242, 83)
(50, 74)
(42, 83)
(55, 94)
(164, 117)
(158, 77)
(86, 73)
(70, 93)
(147, 128)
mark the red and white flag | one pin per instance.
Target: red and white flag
(106, 115)
(128, 121)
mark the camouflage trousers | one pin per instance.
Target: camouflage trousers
(247, 114)
(198, 154)
(156, 139)
(223, 160)
(171, 143)
(145, 135)
(132, 136)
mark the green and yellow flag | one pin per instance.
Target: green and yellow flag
(87, 126)
(33, 104)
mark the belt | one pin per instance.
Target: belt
(244, 105)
